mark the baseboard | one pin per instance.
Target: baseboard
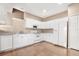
(55, 44)
(74, 49)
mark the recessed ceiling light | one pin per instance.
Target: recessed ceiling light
(44, 11)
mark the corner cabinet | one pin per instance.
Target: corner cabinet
(59, 35)
(62, 37)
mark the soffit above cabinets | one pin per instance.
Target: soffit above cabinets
(42, 9)
(17, 13)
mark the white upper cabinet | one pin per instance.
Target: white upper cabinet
(44, 25)
(29, 23)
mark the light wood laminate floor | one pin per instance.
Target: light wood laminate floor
(42, 49)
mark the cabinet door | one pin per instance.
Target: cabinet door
(31, 22)
(30, 38)
(73, 32)
(21, 40)
(50, 24)
(6, 42)
(55, 32)
(49, 37)
(63, 33)
(38, 37)
(18, 41)
(45, 36)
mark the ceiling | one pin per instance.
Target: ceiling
(43, 9)
(40, 9)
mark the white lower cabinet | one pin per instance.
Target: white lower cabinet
(62, 41)
(38, 38)
(45, 36)
(52, 37)
(55, 33)
(48, 37)
(17, 41)
(21, 40)
(6, 42)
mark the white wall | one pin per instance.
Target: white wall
(5, 9)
